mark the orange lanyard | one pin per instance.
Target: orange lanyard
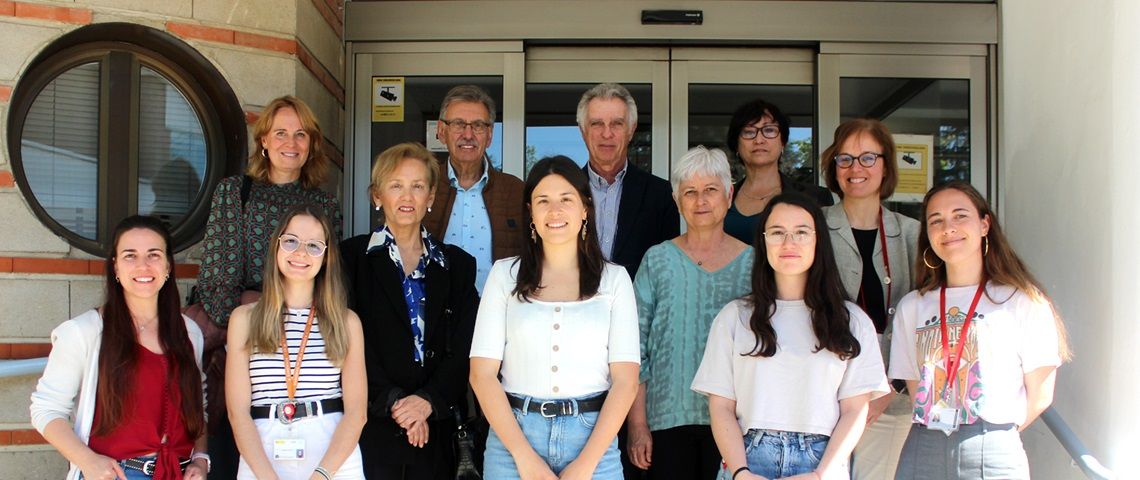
(292, 377)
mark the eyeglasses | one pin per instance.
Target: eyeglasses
(866, 159)
(290, 243)
(778, 237)
(478, 126)
(768, 131)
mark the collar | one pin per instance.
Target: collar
(454, 181)
(837, 220)
(599, 181)
(382, 239)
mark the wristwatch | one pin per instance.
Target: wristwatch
(203, 455)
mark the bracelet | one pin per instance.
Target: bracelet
(737, 472)
(322, 472)
(204, 456)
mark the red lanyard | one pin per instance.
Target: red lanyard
(292, 377)
(954, 360)
(886, 266)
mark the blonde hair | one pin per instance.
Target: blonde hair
(329, 296)
(316, 166)
(387, 161)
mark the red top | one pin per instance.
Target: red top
(152, 397)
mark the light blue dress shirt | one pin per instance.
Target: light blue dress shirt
(607, 199)
(469, 227)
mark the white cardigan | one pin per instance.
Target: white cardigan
(73, 371)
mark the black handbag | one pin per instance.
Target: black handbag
(464, 444)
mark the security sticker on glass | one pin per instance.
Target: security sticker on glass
(289, 449)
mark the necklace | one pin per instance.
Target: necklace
(761, 197)
(142, 327)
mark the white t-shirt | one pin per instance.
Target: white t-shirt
(553, 350)
(797, 389)
(1006, 340)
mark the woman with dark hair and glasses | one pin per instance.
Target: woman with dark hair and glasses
(875, 249)
(559, 324)
(295, 370)
(757, 134)
(127, 374)
(790, 368)
(978, 344)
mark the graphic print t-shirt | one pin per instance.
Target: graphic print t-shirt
(1006, 340)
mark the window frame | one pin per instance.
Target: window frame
(122, 50)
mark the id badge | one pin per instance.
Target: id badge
(289, 449)
(943, 418)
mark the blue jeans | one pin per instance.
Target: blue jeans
(776, 454)
(558, 440)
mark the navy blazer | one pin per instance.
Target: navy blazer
(647, 215)
(375, 293)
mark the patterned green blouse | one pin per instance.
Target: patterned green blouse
(676, 303)
(236, 238)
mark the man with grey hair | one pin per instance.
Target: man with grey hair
(476, 207)
(633, 210)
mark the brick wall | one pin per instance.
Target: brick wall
(264, 49)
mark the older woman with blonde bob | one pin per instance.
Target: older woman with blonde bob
(875, 250)
(681, 286)
(417, 300)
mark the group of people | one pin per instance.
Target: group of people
(566, 311)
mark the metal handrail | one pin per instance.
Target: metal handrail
(1081, 456)
(19, 368)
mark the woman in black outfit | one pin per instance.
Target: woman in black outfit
(417, 301)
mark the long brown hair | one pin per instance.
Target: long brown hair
(823, 295)
(316, 166)
(591, 262)
(329, 296)
(1000, 263)
(118, 354)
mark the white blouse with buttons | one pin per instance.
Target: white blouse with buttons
(554, 350)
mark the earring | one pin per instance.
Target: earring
(429, 209)
(265, 153)
(378, 208)
(928, 265)
(584, 229)
(986, 245)
(533, 234)
(117, 279)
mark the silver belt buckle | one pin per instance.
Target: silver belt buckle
(542, 409)
(148, 467)
(287, 411)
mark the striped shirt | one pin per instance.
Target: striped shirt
(319, 378)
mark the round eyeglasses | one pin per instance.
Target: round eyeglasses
(290, 243)
(866, 159)
(768, 131)
(778, 237)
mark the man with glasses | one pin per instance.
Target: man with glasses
(633, 210)
(476, 207)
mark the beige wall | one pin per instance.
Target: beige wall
(1070, 116)
(32, 304)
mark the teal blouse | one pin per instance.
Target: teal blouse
(676, 303)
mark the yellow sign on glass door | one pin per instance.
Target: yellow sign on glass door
(387, 99)
(914, 155)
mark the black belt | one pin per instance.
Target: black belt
(147, 466)
(300, 410)
(559, 408)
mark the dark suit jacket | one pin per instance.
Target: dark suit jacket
(375, 293)
(647, 215)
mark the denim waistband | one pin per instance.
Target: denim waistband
(755, 435)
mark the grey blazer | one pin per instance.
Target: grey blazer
(902, 243)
